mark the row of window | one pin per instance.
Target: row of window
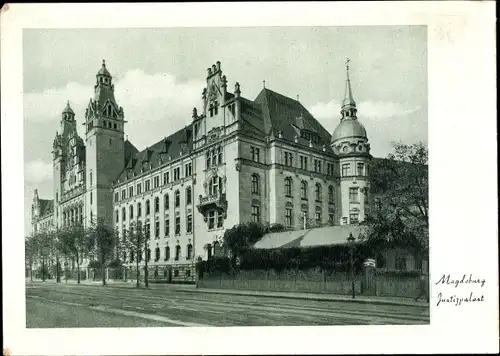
(304, 191)
(318, 216)
(166, 254)
(166, 204)
(214, 157)
(362, 170)
(188, 171)
(177, 231)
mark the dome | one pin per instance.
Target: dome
(68, 110)
(103, 70)
(348, 128)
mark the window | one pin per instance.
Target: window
(213, 186)
(91, 198)
(345, 169)
(361, 169)
(288, 216)
(178, 225)
(211, 219)
(117, 214)
(255, 213)
(219, 154)
(157, 255)
(400, 263)
(331, 195)
(165, 202)
(255, 184)
(288, 186)
(157, 204)
(318, 215)
(188, 195)
(208, 160)
(220, 219)
(131, 255)
(214, 157)
(90, 178)
(149, 254)
(131, 191)
(189, 251)
(167, 227)
(176, 272)
(188, 169)
(131, 212)
(166, 178)
(156, 181)
(148, 230)
(331, 218)
(138, 188)
(303, 190)
(177, 173)
(189, 223)
(288, 159)
(317, 166)
(329, 169)
(177, 198)
(147, 186)
(354, 218)
(353, 195)
(177, 253)
(167, 253)
(255, 152)
(148, 208)
(303, 162)
(318, 192)
(139, 210)
(157, 229)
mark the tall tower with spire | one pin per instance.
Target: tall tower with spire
(350, 142)
(104, 134)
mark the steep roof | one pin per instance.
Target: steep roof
(46, 206)
(281, 113)
(178, 144)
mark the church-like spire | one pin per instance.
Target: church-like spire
(104, 88)
(348, 104)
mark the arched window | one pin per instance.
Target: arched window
(303, 189)
(157, 204)
(139, 209)
(167, 253)
(157, 254)
(255, 184)
(189, 251)
(147, 207)
(331, 195)
(131, 211)
(288, 214)
(124, 214)
(177, 252)
(318, 192)
(177, 198)
(288, 186)
(188, 195)
(165, 202)
(216, 249)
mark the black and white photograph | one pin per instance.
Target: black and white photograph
(227, 176)
(261, 179)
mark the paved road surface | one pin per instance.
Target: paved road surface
(70, 305)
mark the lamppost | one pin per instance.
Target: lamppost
(350, 240)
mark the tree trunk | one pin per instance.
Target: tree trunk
(137, 269)
(77, 268)
(103, 270)
(43, 269)
(58, 278)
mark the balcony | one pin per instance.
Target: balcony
(72, 193)
(213, 201)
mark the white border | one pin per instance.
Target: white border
(463, 187)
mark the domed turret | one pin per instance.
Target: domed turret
(103, 71)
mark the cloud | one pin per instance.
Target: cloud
(37, 171)
(155, 105)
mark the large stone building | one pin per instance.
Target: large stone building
(266, 159)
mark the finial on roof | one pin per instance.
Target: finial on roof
(264, 84)
(297, 97)
(104, 63)
(348, 98)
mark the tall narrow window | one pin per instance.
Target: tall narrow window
(131, 211)
(303, 189)
(219, 154)
(167, 253)
(131, 192)
(167, 227)
(189, 251)
(90, 178)
(288, 186)
(157, 254)
(116, 197)
(255, 213)
(139, 210)
(157, 229)
(288, 215)
(147, 207)
(353, 195)
(208, 160)
(90, 198)
(345, 169)
(331, 195)
(318, 216)
(156, 181)
(220, 219)
(211, 219)
(188, 195)
(157, 204)
(165, 202)
(189, 223)
(147, 185)
(139, 188)
(117, 214)
(177, 252)
(177, 198)
(361, 169)
(318, 192)
(255, 184)
(178, 225)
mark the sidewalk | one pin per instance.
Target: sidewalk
(287, 295)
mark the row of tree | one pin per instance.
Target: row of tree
(98, 243)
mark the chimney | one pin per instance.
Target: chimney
(209, 72)
(218, 65)
(214, 69)
(237, 103)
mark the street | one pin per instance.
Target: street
(70, 305)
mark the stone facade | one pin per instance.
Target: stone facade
(239, 160)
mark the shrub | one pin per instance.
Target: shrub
(397, 273)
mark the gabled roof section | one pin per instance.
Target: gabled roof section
(288, 116)
(178, 144)
(130, 151)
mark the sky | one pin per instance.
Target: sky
(159, 75)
